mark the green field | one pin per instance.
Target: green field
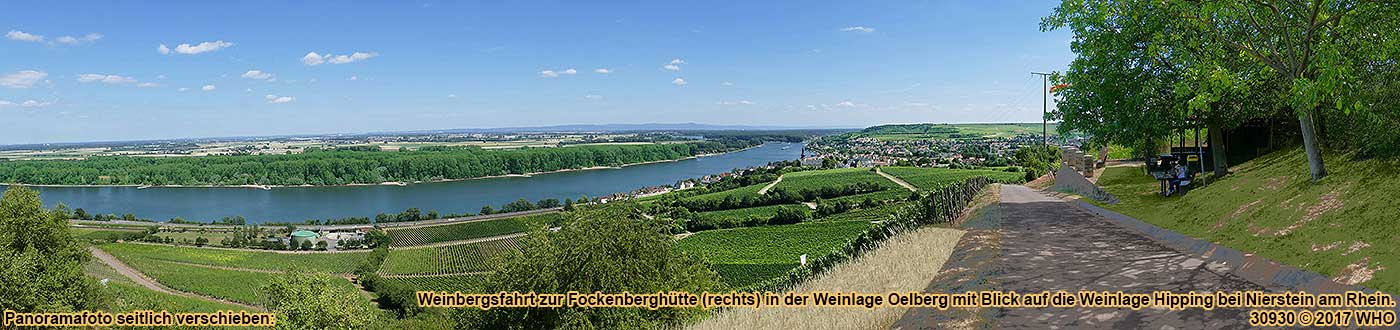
(928, 178)
(762, 212)
(812, 180)
(465, 230)
(752, 254)
(104, 234)
(885, 195)
(224, 284)
(451, 259)
(750, 190)
(129, 296)
(950, 131)
(1342, 226)
(878, 213)
(339, 262)
(463, 283)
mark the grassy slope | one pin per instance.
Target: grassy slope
(324, 262)
(462, 231)
(798, 181)
(460, 258)
(129, 296)
(926, 178)
(744, 256)
(1343, 226)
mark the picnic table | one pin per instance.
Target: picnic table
(1164, 179)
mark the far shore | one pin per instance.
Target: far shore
(386, 183)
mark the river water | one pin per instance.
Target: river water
(301, 203)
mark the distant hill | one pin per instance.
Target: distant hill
(623, 128)
(949, 131)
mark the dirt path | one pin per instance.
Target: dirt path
(141, 279)
(1045, 244)
(770, 186)
(898, 181)
(432, 275)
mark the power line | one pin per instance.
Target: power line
(1045, 106)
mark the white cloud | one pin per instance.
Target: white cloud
(67, 40)
(73, 41)
(451, 96)
(248, 90)
(677, 61)
(593, 97)
(678, 82)
(187, 49)
(22, 36)
(22, 79)
(603, 71)
(35, 104)
(570, 71)
(147, 85)
(846, 104)
(6, 104)
(274, 99)
(726, 84)
(106, 79)
(739, 102)
(257, 74)
(313, 59)
(354, 78)
(90, 37)
(549, 74)
(182, 89)
(208, 88)
(860, 29)
(671, 67)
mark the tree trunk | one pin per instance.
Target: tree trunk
(1217, 150)
(1311, 145)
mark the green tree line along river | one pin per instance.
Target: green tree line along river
(345, 165)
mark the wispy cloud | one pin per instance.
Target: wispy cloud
(739, 102)
(23, 36)
(257, 75)
(593, 97)
(35, 104)
(22, 79)
(147, 85)
(726, 84)
(208, 88)
(679, 82)
(556, 74)
(860, 29)
(674, 65)
(314, 59)
(187, 49)
(110, 79)
(603, 71)
(274, 99)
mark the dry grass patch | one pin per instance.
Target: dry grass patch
(904, 263)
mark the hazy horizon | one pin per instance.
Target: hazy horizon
(100, 71)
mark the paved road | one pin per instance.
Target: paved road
(1046, 244)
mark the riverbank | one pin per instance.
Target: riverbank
(386, 183)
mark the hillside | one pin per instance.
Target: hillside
(1342, 226)
(949, 131)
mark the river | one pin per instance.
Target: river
(301, 203)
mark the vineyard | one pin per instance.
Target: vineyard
(762, 212)
(753, 254)
(932, 178)
(464, 230)
(878, 213)
(340, 262)
(240, 286)
(450, 283)
(451, 259)
(750, 190)
(884, 195)
(814, 180)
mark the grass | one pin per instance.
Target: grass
(460, 258)
(1342, 226)
(811, 180)
(129, 296)
(878, 213)
(92, 234)
(463, 231)
(450, 283)
(341, 262)
(763, 212)
(884, 195)
(901, 264)
(745, 256)
(750, 190)
(237, 286)
(926, 178)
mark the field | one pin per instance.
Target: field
(888, 194)
(464, 230)
(812, 180)
(763, 212)
(951, 131)
(744, 256)
(451, 259)
(340, 262)
(103, 234)
(750, 190)
(1342, 227)
(926, 178)
(129, 296)
(878, 213)
(463, 283)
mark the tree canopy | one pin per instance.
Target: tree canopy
(41, 265)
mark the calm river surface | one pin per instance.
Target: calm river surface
(301, 203)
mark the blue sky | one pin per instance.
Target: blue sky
(95, 70)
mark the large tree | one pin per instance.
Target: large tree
(1308, 45)
(41, 266)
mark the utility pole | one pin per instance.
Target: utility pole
(1044, 106)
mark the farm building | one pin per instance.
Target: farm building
(304, 236)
